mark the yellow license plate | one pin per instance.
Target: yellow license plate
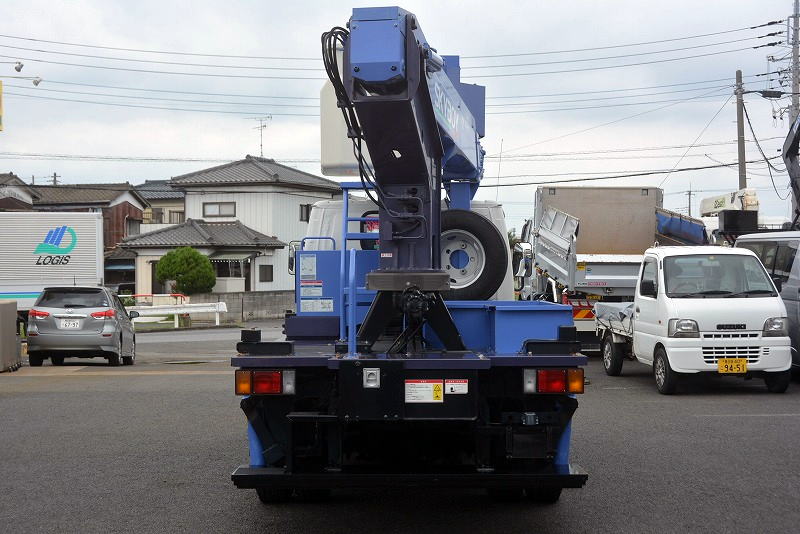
(732, 365)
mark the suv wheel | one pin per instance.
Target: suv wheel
(34, 361)
(666, 378)
(57, 360)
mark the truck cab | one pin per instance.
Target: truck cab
(700, 310)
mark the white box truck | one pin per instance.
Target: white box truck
(41, 248)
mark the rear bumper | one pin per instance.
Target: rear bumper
(83, 342)
(571, 476)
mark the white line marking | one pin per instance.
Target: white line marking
(747, 415)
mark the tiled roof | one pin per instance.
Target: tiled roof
(159, 190)
(84, 193)
(198, 233)
(118, 253)
(12, 179)
(255, 170)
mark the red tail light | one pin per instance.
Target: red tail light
(267, 382)
(38, 314)
(103, 314)
(551, 380)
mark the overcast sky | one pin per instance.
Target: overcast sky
(292, 29)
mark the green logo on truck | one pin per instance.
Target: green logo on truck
(53, 251)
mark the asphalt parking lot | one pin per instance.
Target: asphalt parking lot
(150, 448)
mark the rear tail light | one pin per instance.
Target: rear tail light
(265, 382)
(38, 314)
(553, 380)
(103, 314)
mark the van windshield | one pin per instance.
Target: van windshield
(716, 276)
(73, 298)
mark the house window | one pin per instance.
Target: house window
(228, 269)
(265, 273)
(219, 209)
(132, 227)
(156, 216)
(305, 212)
(176, 217)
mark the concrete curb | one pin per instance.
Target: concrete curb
(145, 330)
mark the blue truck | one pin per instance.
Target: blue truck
(397, 368)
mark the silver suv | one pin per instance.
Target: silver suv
(80, 322)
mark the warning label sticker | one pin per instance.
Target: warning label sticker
(316, 305)
(457, 386)
(422, 390)
(311, 288)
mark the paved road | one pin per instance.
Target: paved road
(149, 448)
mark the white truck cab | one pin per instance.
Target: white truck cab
(700, 309)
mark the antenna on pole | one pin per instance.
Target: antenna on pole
(263, 122)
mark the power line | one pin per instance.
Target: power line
(585, 69)
(770, 23)
(295, 58)
(596, 126)
(170, 72)
(516, 112)
(603, 58)
(117, 104)
(262, 77)
(317, 69)
(770, 166)
(179, 63)
(594, 99)
(163, 99)
(633, 149)
(696, 139)
(629, 175)
(627, 104)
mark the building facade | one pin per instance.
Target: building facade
(264, 195)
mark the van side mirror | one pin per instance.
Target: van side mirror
(647, 288)
(778, 283)
(133, 314)
(293, 246)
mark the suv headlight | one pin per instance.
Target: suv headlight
(776, 327)
(683, 328)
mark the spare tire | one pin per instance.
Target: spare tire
(474, 253)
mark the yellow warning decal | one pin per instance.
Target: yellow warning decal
(581, 266)
(437, 392)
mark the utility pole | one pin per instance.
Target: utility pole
(795, 109)
(689, 193)
(740, 129)
(55, 179)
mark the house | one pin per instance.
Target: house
(264, 195)
(122, 206)
(166, 204)
(233, 248)
(15, 195)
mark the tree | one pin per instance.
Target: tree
(191, 270)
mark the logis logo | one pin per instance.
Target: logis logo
(56, 253)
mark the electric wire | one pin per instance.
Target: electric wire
(608, 67)
(296, 58)
(696, 139)
(770, 166)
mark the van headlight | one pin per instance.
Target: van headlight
(683, 328)
(776, 327)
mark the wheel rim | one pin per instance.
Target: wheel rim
(133, 350)
(661, 372)
(463, 257)
(607, 354)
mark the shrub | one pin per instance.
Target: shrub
(191, 270)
